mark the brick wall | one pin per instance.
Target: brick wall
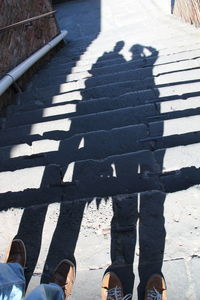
(188, 10)
(20, 42)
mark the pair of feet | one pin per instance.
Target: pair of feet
(112, 288)
(64, 276)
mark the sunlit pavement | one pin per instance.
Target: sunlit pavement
(107, 131)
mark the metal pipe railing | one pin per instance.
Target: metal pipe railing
(18, 71)
(27, 21)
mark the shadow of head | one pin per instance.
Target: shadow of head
(142, 51)
(119, 46)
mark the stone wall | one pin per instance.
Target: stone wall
(18, 43)
(188, 10)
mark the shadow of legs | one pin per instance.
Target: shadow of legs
(30, 231)
(65, 237)
(123, 239)
(151, 237)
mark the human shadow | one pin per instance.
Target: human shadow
(143, 208)
(144, 211)
(110, 176)
(72, 17)
(108, 151)
(82, 178)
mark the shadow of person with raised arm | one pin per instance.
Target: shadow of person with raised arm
(145, 208)
(100, 155)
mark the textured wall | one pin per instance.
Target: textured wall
(189, 10)
(20, 42)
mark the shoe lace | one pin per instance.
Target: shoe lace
(153, 295)
(116, 293)
(127, 297)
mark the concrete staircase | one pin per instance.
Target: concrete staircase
(109, 129)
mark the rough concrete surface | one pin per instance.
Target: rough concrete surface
(99, 158)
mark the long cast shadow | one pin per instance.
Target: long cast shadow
(31, 224)
(126, 211)
(101, 178)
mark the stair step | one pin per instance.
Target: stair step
(175, 126)
(119, 88)
(34, 178)
(138, 96)
(165, 110)
(36, 197)
(136, 76)
(90, 177)
(177, 158)
(163, 87)
(117, 69)
(26, 114)
(11, 156)
(94, 145)
(103, 120)
(128, 173)
(61, 124)
(142, 61)
(99, 146)
(165, 68)
(92, 54)
(97, 50)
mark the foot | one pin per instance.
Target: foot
(156, 288)
(111, 287)
(64, 276)
(16, 253)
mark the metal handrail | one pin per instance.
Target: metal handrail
(27, 21)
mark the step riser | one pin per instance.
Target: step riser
(131, 173)
(94, 174)
(86, 156)
(165, 110)
(144, 76)
(97, 145)
(139, 97)
(148, 61)
(65, 123)
(84, 91)
(108, 72)
(94, 55)
(93, 122)
(114, 90)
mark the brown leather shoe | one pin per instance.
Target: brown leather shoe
(64, 276)
(16, 253)
(111, 287)
(156, 288)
